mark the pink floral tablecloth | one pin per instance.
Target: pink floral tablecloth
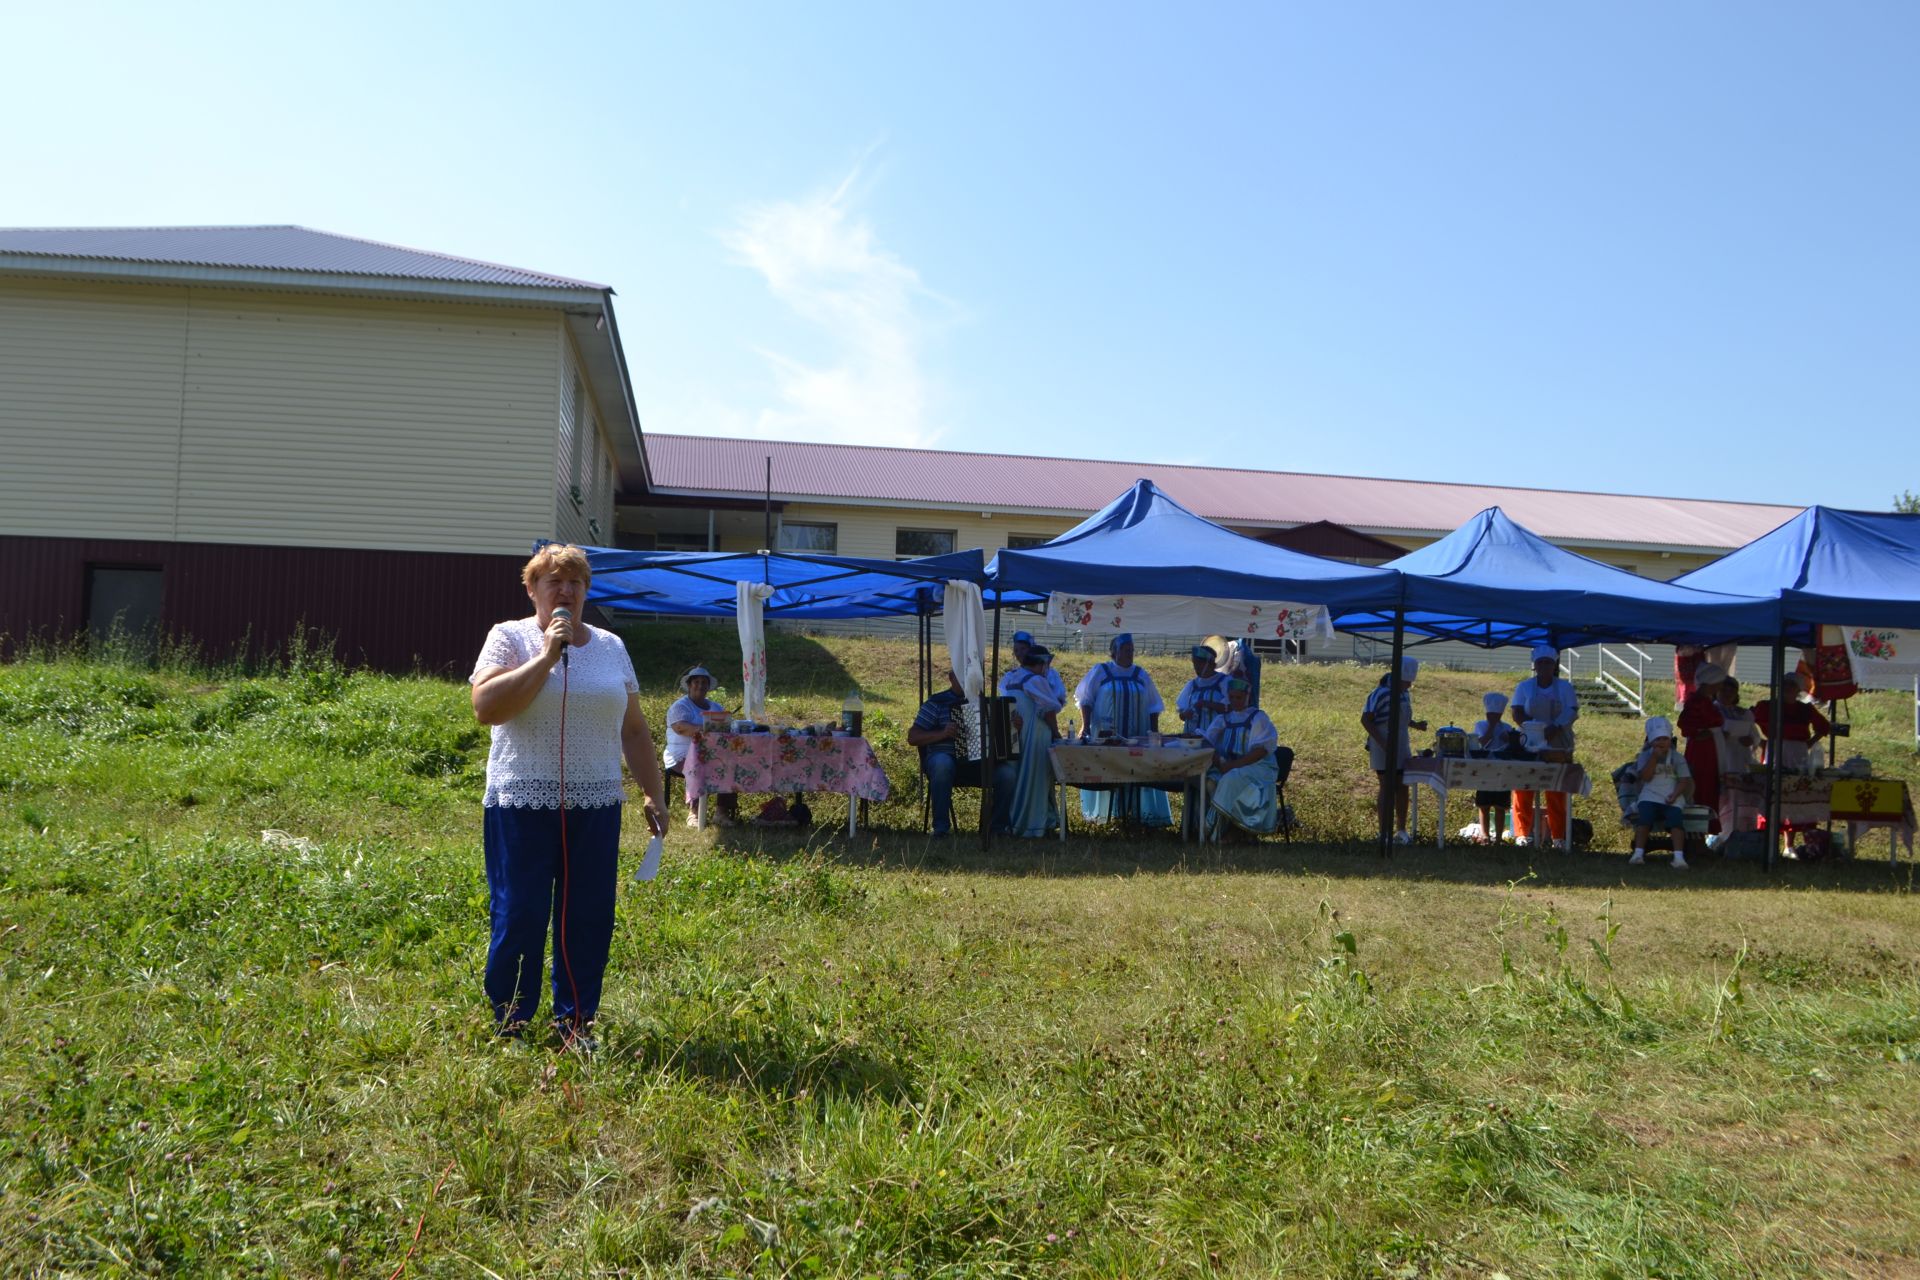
(759, 762)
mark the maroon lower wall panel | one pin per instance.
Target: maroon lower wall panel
(390, 610)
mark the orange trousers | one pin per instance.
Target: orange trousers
(1556, 815)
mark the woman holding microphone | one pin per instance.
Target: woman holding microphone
(564, 705)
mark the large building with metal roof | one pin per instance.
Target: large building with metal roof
(228, 432)
(866, 501)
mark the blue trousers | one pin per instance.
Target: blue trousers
(943, 771)
(1654, 814)
(527, 883)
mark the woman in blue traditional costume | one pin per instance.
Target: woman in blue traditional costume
(1122, 698)
(1244, 769)
(1023, 641)
(1205, 696)
(1023, 788)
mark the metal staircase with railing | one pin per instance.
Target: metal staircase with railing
(1611, 681)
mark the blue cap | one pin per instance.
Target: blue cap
(1024, 635)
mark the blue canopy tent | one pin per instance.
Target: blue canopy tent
(1851, 568)
(1145, 543)
(702, 583)
(1494, 582)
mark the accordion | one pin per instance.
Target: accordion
(972, 742)
(988, 738)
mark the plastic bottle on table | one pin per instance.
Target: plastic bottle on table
(853, 713)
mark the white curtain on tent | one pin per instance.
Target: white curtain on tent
(963, 618)
(750, 613)
(1190, 615)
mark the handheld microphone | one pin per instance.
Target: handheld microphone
(564, 654)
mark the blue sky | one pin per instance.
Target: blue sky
(1652, 248)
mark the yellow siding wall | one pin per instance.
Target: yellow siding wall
(582, 462)
(233, 416)
(90, 390)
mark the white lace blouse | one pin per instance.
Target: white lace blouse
(523, 765)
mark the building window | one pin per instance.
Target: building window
(1021, 541)
(818, 539)
(680, 541)
(923, 542)
(123, 604)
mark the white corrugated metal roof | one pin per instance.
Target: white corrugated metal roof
(286, 248)
(694, 465)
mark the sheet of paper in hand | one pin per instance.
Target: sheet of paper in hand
(650, 865)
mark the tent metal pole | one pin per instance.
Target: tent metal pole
(1396, 689)
(1776, 723)
(991, 748)
(925, 638)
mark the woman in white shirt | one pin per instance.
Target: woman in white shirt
(565, 708)
(1549, 702)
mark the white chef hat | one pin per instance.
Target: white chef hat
(1409, 668)
(1547, 651)
(1659, 727)
(1494, 703)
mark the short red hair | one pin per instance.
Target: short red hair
(562, 558)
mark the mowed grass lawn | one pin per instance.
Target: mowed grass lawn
(901, 1058)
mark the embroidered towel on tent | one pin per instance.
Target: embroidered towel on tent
(749, 608)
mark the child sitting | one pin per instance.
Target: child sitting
(1493, 737)
(1664, 780)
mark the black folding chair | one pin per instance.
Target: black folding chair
(1283, 816)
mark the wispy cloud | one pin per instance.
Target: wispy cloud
(820, 257)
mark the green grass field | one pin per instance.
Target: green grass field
(907, 1058)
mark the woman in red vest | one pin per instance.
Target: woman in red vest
(1699, 718)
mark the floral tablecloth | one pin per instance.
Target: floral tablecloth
(1457, 774)
(1088, 765)
(760, 762)
(1099, 766)
(1805, 802)
(1862, 803)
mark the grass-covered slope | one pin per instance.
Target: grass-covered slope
(901, 1058)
